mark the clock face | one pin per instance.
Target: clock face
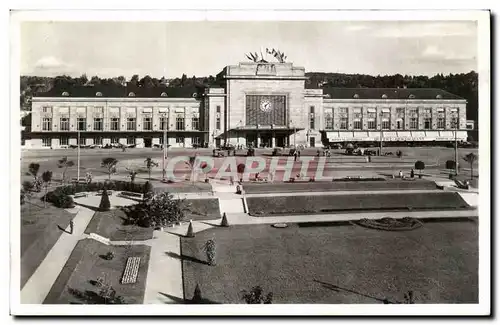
(265, 106)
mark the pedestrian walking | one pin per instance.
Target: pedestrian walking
(231, 180)
(400, 174)
(295, 155)
(71, 225)
(412, 173)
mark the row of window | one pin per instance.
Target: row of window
(386, 124)
(64, 141)
(147, 124)
(399, 110)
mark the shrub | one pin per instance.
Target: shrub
(420, 165)
(105, 205)
(210, 251)
(148, 190)
(256, 296)
(109, 256)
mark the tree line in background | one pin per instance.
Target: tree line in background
(463, 84)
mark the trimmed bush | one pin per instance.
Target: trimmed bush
(224, 222)
(190, 231)
(197, 295)
(105, 205)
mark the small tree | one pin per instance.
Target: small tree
(27, 191)
(150, 164)
(46, 178)
(33, 170)
(471, 158)
(110, 164)
(241, 169)
(132, 174)
(105, 205)
(191, 163)
(210, 251)
(65, 164)
(420, 165)
(256, 296)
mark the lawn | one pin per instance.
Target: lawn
(338, 186)
(336, 264)
(110, 224)
(276, 205)
(75, 285)
(184, 187)
(40, 230)
(202, 209)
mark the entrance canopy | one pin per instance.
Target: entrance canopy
(261, 127)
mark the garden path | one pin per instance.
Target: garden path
(39, 284)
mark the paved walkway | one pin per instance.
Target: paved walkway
(40, 283)
(164, 278)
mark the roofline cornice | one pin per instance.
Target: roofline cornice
(396, 101)
(115, 99)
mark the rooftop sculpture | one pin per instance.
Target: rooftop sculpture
(278, 55)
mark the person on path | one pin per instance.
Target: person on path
(71, 226)
(400, 174)
(295, 154)
(412, 173)
(231, 180)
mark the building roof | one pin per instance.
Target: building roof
(115, 91)
(388, 93)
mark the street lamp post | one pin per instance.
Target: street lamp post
(456, 145)
(381, 133)
(78, 159)
(164, 152)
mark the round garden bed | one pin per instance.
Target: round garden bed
(390, 224)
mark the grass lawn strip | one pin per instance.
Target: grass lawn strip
(338, 186)
(202, 209)
(285, 205)
(110, 224)
(39, 232)
(438, 261)
(75, 285)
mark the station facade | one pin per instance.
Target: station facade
(259, 104)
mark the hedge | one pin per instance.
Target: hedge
(60, 196)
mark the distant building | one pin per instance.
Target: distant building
(264, 104)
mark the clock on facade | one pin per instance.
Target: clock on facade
(265, 105)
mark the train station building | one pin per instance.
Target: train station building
(259, 104)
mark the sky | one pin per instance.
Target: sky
(203, 48)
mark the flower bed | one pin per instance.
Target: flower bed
(390, 224)
(60, 197)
